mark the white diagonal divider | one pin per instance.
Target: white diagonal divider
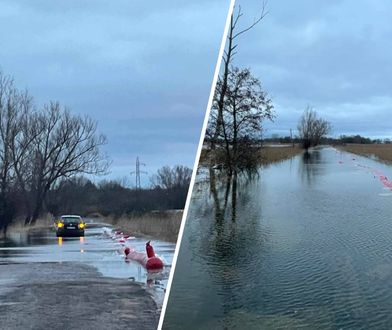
(196, 163)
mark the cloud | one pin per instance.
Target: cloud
(333, 55)
(143, 71)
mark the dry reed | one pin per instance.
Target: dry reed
(382, 152)
(265, 155)
(162, 225)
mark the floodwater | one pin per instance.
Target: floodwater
(303, 244)
(95, 249)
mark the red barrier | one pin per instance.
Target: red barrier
(132, 254)
(377, 173)
(149, 250)
(153, 262)
(150, 262)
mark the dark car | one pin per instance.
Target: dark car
(70, 225)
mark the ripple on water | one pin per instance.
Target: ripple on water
(310, 247)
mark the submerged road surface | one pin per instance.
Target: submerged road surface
(77, 283)
(303, 244)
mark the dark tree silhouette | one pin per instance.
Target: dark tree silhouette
(312, 129)
(232, 43)
(40, 147)
(246, 105)
(169, 178)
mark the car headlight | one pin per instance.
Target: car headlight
(60, 225)
(81, 225)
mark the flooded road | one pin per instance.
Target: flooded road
(95, 249)
(85, 277)
(303, 244)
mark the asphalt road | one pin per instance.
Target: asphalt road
(71, 296)
(77, 283)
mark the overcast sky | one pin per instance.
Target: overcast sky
(334, 55)
(142, 69)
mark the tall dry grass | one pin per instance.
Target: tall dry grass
(18, 225)
(163, 225)
(265, 155)
(269, 155)
(383, 152)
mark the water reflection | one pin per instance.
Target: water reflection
(311, 166)
(223, 186)
(96, 249)
(229, 238)
(227, 250)
(303, 244)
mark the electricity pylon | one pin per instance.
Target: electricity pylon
(138, 172)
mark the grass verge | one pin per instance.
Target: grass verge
(265, 155)
(18, 226)
(163, 225)
(270, 155)
(382, 152)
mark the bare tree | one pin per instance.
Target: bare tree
(169, 178)
(8, 105)
(40, 147)
(64, 145)
(229, 53)
(13, 105)
(25, 132)
(312, 129)
(8, 116)
(247, 105)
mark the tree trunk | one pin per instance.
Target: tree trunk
(235, 134)
(221, 101)
(41, 194)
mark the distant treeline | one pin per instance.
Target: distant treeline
(81, 196)
(343, 139)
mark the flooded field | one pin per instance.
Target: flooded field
(303, 244)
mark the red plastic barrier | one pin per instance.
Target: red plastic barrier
(377, 173)
(150, 262)
(132, 254)
(153, 262)
(149, 250)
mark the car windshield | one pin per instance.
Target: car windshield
(70, 219)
